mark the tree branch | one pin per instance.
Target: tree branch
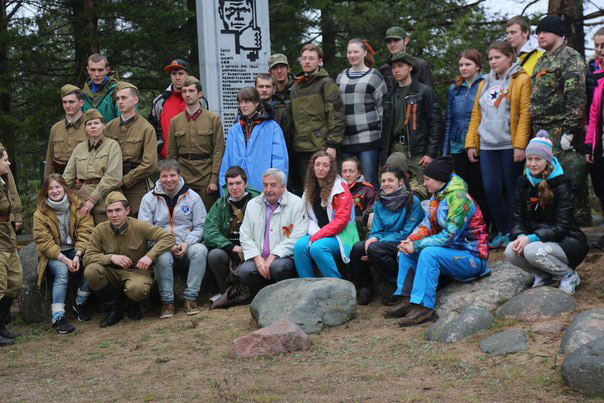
(14, 10)
(528, 5)
(453, 9)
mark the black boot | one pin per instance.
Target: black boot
(133, 310)
(107, 296)
(5, 304)
(83, 311)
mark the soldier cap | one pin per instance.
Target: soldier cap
(68, 89)
(402, 57)
(114, 197)
(190, 81)
(92, 114)
(398, 160)
(396, 33)
(122, 85)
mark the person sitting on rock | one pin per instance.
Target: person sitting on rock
(61, 235)
(452, 240)
(396, 214)
(363, 193)
(273, 222)
(332, 229)
(546, 238)
(119, 257)
(175, 207)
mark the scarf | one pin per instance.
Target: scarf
(396, 200)
(61, 209)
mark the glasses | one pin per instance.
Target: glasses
(308, 58)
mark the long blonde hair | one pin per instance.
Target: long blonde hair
(545, 193)
(311, 183)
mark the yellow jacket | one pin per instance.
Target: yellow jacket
(48, 239)
(520, 120)
(528, 60)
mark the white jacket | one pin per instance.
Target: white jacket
(188, 216)
(288, 224)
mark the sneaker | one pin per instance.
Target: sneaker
(500, 241)
(542, 281)
(167, 311)
(570, 282)
(191, 307)
(82, 312)
(62, 326)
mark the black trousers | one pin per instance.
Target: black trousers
(597, 175)
(470, 173)
(382, 256)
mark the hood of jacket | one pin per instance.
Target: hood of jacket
(113, 78)
(492, 76)
(159, 189)
(530, 45)
(557, 171)
(304, 79)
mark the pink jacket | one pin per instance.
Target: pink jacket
(595, 114)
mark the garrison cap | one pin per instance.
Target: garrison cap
(177, 64)
(68, 89)
(92, 114)
(114, 197)
(398, 160)
(190, 81)
(402, 57)
(122, 85)
(396, 33)
(277, 58)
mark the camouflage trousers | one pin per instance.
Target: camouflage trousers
(417, 171)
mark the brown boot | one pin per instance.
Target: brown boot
(167, 311)
(399, 310)
(418, 314)
(191, 307)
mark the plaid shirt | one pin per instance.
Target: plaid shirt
(362, 97)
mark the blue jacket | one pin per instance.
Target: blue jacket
(460, 102)
(389, 226)
(266, 149)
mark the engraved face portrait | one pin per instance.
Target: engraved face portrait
(236, 15)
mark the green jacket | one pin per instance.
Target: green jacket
(318, 112)
(218, 221)
(104, 99)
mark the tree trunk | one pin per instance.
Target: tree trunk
(7, 129)
(191, 32)
(84, 22)
(328, 34)
(571, 13)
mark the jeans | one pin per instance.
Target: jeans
(369, 163)
(323, 252)
(196, 261)
(429, 263)
(280, 269)
(499, 173)
(60, 272)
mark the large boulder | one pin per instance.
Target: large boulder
(453, 327)
(506, 342)
(310, 303)
(583, 369)
(281, 337)
(586, 326)
(33, 302)
(537, 304)
(505, 281)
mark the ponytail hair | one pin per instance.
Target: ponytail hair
(364, 44)
(545, 193)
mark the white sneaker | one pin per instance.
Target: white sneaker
(541, 281)
(570, 282)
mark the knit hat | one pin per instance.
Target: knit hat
(440, 169)
(92, 114)
(68, 89)
(398, 160)
(540, 146)
(114, 197)
(551, 23)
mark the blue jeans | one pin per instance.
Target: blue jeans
(498, 172)
(59, 284)
(196, 259)
(429, 263)
(369, 162)
(323, 252)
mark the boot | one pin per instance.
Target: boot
(364, 295)
(83, 311)
(107, 296)
(417, 315)
(399, 310)
(5, 304)
(133, 310)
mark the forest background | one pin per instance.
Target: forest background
(44, 44)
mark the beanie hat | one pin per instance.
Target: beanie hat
(398, 160)
(440, 169)
(540, 146)
(551, 23)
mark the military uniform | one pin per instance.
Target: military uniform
(10, 266)
(64, 137)
(98, 169)
(137, 140)
(130, 240)
(197, 143)
(557, 105)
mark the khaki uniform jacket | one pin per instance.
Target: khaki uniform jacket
(138, 142)
(62, 142)
(201, 136)
(17, 207)
(8, 238)
(48, 238)
(133, 243)
(104, 163)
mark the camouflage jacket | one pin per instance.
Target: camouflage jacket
(558, 98)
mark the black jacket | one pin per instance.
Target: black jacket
(425, 135)
(553, 223)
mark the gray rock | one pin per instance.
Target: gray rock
(507, 342)
(310, 303)
(553, 327)
(537, 304)
(583, 369)
(35, 307)
(280, 337)
(586, 326)
(505, 281)
(453, 327)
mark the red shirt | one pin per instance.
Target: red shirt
(173, 105)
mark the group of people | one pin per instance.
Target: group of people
(317, 177)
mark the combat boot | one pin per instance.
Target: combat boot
(133, 310)
(107, 296)
(5, 304)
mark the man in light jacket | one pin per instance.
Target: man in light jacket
(173, 206)
(273, 222)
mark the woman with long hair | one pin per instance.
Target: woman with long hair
(395, 215)
(363, 193)
(61, 235)
(332, 230)
(500, 128)
(362, 89)
(546, 238)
